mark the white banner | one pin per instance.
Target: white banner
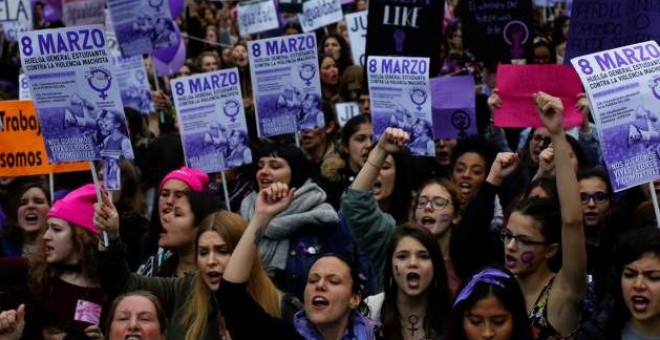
(356, 23)
(257, 16)
(319, 13)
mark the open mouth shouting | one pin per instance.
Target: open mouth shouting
(320, 303)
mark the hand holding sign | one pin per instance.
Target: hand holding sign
(551, 111)
(106, 217)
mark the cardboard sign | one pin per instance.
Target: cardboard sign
(22, 150)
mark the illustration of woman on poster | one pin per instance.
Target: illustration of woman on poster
(112, 136)
(422, 139)
(238, 153)
(311, 116)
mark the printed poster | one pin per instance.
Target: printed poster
(286, 84)
(133, 84)
(623, 85)
(76, 94)
(23, 152)
(23, 88)
(356, 23)
(212, 120)
(406, 28)
(497, 30)
(83, 12)
(598, 25)
(319, 13)
(453, 107)
(400, 98)
(346, 111)
(15, 18)
(257, 16)
(142, 26)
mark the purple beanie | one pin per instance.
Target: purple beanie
(195, 179)
(77, 208)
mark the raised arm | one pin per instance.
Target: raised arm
(270, 202)
(393, 140)
(571, 284)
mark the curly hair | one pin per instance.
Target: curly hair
(41, 274)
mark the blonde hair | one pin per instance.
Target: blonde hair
(230, 227)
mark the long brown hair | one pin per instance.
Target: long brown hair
(230, 227)
(13, 230)
(41, 274)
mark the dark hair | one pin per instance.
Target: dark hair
(547, 215)
(354, 269)
(399, 200)
(345, 58)
(557, 29)
(300, 168)
(352, 126)
(547, 43)
(580, 155)
(633, 246)
(596, 172)
(438, 304)
(160, 311)
(12, 231)
(547, 184)
(203, 204)
(478, 145)
(505, 290)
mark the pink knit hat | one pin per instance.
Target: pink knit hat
(77, 208)
(194, 178)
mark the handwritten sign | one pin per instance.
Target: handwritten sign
(497, 29)
(319, 13)
(257, 16)
(356, 23)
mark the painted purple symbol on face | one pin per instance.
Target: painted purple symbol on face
(527, 258)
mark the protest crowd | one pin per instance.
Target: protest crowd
(494, 202)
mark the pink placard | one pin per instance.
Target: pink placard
(89, 312)
(517, 83)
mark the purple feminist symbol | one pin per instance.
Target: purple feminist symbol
(399, 39)
(655, 87)
(516, 34)
(231, 109)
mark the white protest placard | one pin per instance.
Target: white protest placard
(212, 120)
(15, 17)
(319, 13)
(23, 88)
(257, 16)
(286, 84)
(76, 94)
(356, 23)
(623, 85)
(142, 26)
(401, 98)
(83, 12)
(134, 84)
(346, 111)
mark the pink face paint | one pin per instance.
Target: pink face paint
(527, 258)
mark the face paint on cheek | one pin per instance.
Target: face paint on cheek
(527, 258)
(396, 269)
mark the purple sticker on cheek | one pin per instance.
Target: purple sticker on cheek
(527, 258)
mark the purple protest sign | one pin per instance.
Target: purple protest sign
(452, 107)
(598, 25)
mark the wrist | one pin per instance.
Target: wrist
(494, 180)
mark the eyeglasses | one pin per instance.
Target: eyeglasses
(541, 139)
(506, 236)
(437, 202)
(597, 196)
